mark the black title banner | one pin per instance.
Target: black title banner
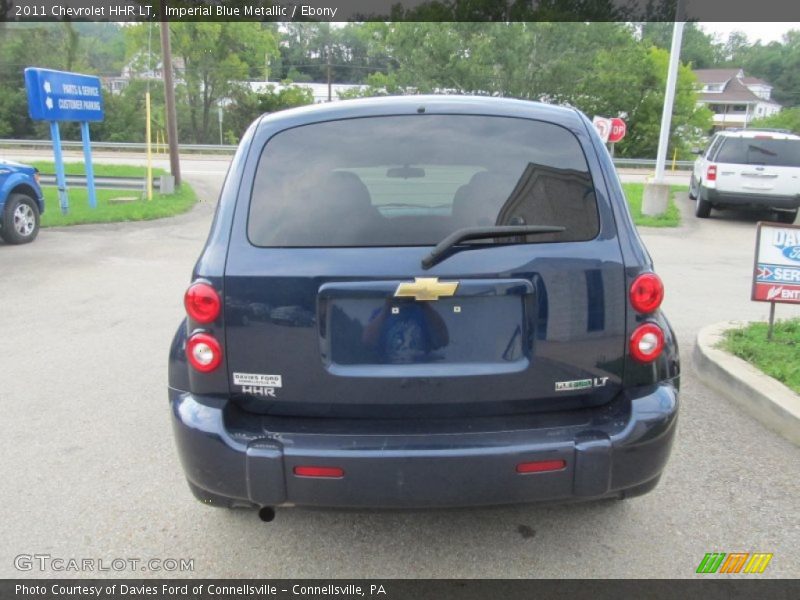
(396, 589)
(400, 10)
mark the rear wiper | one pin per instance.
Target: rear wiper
(479, 233)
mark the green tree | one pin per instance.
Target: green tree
(698, 48)
(211, 59)
(788, 118)
(247, 105)
(632, 82)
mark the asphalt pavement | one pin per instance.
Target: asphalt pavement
(89, 469)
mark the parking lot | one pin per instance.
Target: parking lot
(89, 468)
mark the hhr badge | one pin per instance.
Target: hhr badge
(426, 289)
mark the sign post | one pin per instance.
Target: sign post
(57, 96)
(776, 270)
(61, 180)
(87, 158)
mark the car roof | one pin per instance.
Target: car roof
(429, 104)
(754, 133)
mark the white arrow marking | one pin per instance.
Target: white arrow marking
(47, 87)
(49, 103)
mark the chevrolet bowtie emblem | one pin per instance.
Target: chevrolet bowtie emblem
(426, 288)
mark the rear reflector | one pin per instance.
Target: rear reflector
(647, 342)
(711, 174)
(330, 472)
(204, 352)
(541, 466)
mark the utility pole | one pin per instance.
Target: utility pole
(656, 192)
(329, 72)
(669, 98)
(169, 101)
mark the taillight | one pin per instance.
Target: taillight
(711, 173)
(647, 342)
(202, 302)
(646, 293)
(204, 352)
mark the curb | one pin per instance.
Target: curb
(762, 397)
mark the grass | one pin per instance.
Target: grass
(779, 358)
(139, 210)
(100, 170)
(671, 218)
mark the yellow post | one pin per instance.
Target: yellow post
(149, 183)
(674, 156)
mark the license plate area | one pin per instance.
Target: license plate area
(485, 327)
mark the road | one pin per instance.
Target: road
(89, 469)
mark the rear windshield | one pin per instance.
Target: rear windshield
(760, 151)
(413, 180)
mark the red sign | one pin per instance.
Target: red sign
(603, 127)
(618, 130)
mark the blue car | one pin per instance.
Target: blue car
(422, 301)
(21, 202)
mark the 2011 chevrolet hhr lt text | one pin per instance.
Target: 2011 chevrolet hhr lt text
(418, 302)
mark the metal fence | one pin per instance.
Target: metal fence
(118, 146)
(105, 182)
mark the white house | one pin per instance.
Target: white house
(735, 100)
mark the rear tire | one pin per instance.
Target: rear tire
(703, 208)
(787, 216)
(692, 188)
(20, 219)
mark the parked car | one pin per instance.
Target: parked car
(422, 301)
(749, 168)
(21, 202)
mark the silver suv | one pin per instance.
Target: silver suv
(752, 168)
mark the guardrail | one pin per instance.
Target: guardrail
(650, 163)
(106, 183)
(118, 146)
(631, 163)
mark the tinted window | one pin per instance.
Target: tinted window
(412, 180)
(760, 151)
(713, 146)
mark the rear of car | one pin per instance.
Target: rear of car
(21, 202)
(417, 302)
(750, 169)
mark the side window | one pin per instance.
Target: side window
(713, 147)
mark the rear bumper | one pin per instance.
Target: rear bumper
(234, 457)
(749, 200)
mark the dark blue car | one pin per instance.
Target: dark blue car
(21, 202)
(418, 302)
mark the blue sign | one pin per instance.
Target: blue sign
(62, 96)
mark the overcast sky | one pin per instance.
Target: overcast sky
(766, 32)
